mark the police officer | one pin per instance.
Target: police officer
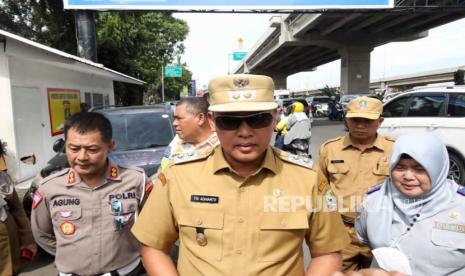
(83, 214)
(193, 129)
(353, 163)
(15, 232)
(244, 208)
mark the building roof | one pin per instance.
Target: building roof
(84, 64)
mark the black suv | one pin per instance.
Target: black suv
(141, 133)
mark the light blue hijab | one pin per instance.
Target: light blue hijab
(431, 153)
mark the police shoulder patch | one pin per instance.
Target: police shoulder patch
(461, 190)
(190, 156)
(294, 159)
(54, 175)
(374, 188)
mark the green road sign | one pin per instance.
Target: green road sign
(173, 71)
(239, 55)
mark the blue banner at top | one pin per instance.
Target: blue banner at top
(183, 5)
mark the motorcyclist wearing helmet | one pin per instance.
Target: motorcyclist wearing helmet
(298, 125)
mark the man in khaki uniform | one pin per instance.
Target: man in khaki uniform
(15, 231)
(244, 208)
(352, 164)
(192, 128)
(83, 214)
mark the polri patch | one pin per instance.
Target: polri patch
(36, 199)
(205, 199)
(337, 161)
(68, 228)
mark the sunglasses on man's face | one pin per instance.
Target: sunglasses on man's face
(255, 121)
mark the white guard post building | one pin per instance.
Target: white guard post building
(40, 87)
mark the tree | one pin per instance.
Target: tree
(134, 43)
(331, 92)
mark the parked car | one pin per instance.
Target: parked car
(439, 110)
(141, 135)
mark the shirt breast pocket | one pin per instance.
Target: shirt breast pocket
(337, 172)
(449, 248)
(67, 222)
(281, 235)
(201, 232)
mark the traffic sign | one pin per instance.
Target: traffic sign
(239, 55)
(173, 71)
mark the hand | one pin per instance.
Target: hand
(31, 247)
(369, 272)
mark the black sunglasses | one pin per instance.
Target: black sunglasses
(255, 121)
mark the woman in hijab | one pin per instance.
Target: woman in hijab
(417, 212)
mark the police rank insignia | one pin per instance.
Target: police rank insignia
(71, 177)
(453, 214)
(113, 172)
(68, 228)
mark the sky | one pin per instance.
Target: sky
(212, 37)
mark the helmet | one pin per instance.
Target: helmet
(298, 107)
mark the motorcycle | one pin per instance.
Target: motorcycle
(298, 147)
(336, 113)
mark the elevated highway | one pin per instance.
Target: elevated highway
(301, 42)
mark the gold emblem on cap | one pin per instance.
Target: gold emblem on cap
(247, 95)
(241, 83)
(277, 192)
(201, 239)
(454, 214)
(236, 96)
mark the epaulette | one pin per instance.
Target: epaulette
(390, 138)
(333, 140)
(461, 190)
(374, 188)
(54, 175)
(294, 159)
(190, 156)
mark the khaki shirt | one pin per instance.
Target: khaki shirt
(77, 224)
(15, 232)
(229, 225)
(351, 172)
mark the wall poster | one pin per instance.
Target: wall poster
(62, 103)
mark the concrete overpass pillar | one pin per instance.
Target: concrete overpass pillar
(355, 69)
(280, 81)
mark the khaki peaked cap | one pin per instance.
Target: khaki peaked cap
(237, 93)
(364, 107)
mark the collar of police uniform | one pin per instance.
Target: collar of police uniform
(379, 143)
(220, 163)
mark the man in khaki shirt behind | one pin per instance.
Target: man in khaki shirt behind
(352, 164)
(244, 208)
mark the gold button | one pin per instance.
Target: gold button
(242, 189)
(199, 222)
(283, 223)
(238, 252)
(241, 220)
